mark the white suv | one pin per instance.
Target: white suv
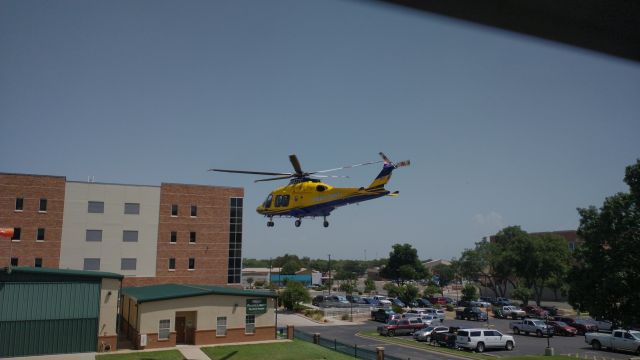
(480, 339)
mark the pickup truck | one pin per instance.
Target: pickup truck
(509, 311)
(618, 340)
(534, 326)
(382, 315)
(471, 313)
(401, 327)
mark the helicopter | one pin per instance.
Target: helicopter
(307, 196)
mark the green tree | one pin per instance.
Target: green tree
(446, 273)
(290, 268)
(369, 286)
(392, 289)
(469, 292)
(605, 277)
(403, 264)
(431, 290)
(293, 294)
(522, 293)
(408, 293)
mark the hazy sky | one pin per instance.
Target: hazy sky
(501, 129)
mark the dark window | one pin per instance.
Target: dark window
(95, 207)
(267, 202)
(16, 233)
(172, 263)
(192, 237)
(94, 235)
(43, 205)
(192, 263)
(19, 204)
(475, 333)
(40, 236)
(278, 200)
(285, 200)
(38, 262)
(91, 264)
(14, 261)
(174, 237)
(174, 210)
(235, 240)
(128, 263)
(132, 208)
(194, 210)
(130, 236)
(321, 188)
(618, 334)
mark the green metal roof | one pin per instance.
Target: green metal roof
(174, 291)
(69, 272)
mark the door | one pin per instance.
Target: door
(180, 330)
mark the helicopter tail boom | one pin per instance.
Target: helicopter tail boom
(384, 175)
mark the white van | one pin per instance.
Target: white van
(480, 339)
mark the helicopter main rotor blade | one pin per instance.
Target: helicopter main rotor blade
(346, 167)
(250, 172)
(275, 178)
(296, 164)
(329, 176)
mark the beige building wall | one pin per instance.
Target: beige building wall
(77, 220)
(209, 307)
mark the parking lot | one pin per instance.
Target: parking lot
(525, 344)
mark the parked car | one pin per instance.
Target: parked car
(481, 339)
(383, 315)
(618, 340)
(355, 299)
(379, 300)
(423, 302)
(463, 303)
(334, 301)
(551, 310)
(447, 339)
(426, 334)
(438, 300)
(480, 303)
(398, 302)
(562, 328)
(535, 311)
(401, 327)
(500, 301)
(471, 313)
(531, 326)
(436, 313)
(508, 311)
(581, 326)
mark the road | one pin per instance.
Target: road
(525, 344)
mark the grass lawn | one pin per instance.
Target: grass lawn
(295, 350)
(146, 355)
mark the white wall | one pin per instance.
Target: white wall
(77, 220)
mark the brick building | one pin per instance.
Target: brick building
(173, 233)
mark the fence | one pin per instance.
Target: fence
(335, 345)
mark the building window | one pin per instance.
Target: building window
(174, 237)
(94, 235)
(16, 234)
(172, 264)
(95, 207)
(19, 204)
(128, 263)
(14, 261)
(91, 264)
(192, 237)
(132, 208)
(235, 241)
(194, 210)
(163, 329)
(192, 263)
(40, 236)
(130, 236)
(43, 205)
(250, 324)
(221, 326)
(174, 210)
(38, 263)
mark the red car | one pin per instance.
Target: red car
(438, 300)
(535, 311)
(561, 328)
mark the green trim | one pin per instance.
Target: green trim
(175, 291)
(70, 272)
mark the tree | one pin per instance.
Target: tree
(605, 277)
(369, 286)
(403, 264)
(469, 292)
(431, 290)
(392, 289)
(408, 293)
(521, 293)
(249, 282)
(293, 294)
(446, 273)
(290, 268)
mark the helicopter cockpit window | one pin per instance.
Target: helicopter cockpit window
(267, 203)
(285, 200)
(278, 201)
(321, 188)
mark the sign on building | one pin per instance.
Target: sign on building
(256, 306)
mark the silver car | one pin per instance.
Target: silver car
(427, 333)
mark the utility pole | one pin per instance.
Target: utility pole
(329, 274)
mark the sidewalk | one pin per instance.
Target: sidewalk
(192, 352)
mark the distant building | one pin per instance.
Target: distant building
(172, 233)
(433, 263)
(258, 275)
(573, 240)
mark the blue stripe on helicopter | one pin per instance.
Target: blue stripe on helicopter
(325, 209)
